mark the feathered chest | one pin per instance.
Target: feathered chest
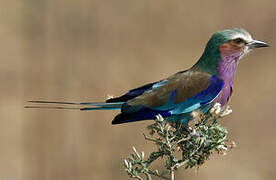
(226, 71)
(225, 94)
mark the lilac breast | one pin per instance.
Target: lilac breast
(226, 71)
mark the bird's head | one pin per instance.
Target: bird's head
(227, 45)
(234, 42)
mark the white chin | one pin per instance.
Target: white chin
(246, 51)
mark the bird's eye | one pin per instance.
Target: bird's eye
(238, 40)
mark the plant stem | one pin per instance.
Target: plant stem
(138, 177)
(161, 176)
(172, 173)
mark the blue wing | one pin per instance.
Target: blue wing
(141, 108)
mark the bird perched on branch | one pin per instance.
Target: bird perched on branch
(207, 82)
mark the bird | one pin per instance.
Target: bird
(207, 82)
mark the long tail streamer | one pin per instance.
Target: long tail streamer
(97, 105)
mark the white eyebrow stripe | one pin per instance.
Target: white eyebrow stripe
(246, 37)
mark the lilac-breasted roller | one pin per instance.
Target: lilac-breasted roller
(207, 82)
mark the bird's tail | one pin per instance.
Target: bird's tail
(83, 106)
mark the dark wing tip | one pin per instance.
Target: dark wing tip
(119, 119)
(127, 117)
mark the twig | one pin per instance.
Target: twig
(172, 173)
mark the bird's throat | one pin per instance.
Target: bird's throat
(230, 54)
(227, 66)
(220, 62)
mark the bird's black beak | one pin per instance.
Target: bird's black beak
(257, 44)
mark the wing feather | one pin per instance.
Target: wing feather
(180, 91)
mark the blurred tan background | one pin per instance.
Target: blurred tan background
(70, 50)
